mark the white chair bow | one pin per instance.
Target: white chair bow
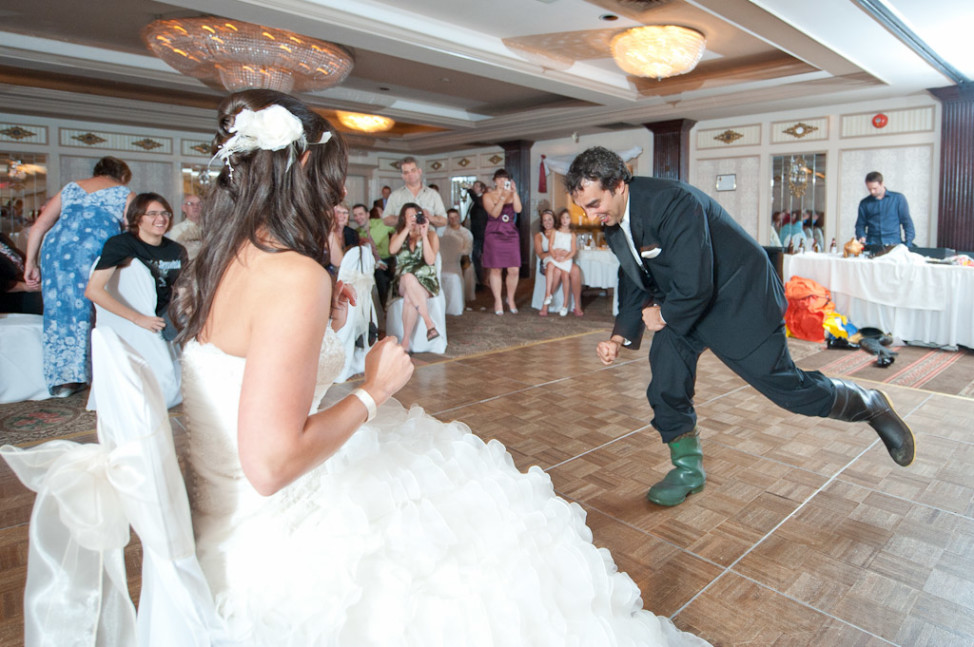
(87, 496)
(358, 270)
(134, 286)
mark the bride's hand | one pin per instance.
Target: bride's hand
(387, 369)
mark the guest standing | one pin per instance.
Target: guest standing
(188, 233)
(478, 223)
(74, 227)
(882, 215)
(147, 220)
(502, 241)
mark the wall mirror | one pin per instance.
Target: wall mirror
(23, 190)
(798, 201)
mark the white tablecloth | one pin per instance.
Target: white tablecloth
(600, 269)
(927, 302)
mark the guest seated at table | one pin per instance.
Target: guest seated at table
(415, 245)
(385, 267)
(547, 223)
(15, 294)
(147, 219)
(563, 247)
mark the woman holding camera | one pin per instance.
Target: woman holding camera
(415, 246)
(502, 242)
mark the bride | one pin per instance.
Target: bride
(362, 523)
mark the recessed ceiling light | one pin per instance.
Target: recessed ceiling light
(383, 88)
(608, 17)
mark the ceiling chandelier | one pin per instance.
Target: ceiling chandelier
(658, 51)
(363, 122)
(241, 55)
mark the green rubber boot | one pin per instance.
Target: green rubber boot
(686, 478)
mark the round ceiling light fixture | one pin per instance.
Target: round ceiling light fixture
(241, 55)
(658, 51)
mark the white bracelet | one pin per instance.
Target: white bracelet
(368, 401)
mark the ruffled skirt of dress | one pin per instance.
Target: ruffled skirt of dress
(419, 533)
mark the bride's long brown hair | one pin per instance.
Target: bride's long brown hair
(269, 199)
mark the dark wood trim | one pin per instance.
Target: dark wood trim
(955, 217)
(671, 148)
(517, 162)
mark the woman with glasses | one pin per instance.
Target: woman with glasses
(147, 219)
(73, 226)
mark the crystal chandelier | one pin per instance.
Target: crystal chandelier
(241, 55)
(658, 51)
(363, 122)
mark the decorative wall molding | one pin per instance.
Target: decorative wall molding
(195, 148)
(887, 122)
(72, 138)
(491, 160)
(727, 137)
(804, 130)
(387, 164)
(436, 165)
(23, 133)
(464, 163)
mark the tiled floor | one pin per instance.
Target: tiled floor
(806, 534)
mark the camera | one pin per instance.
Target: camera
(420, 217)
(507, 184)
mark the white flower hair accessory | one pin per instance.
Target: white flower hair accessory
(271, 128)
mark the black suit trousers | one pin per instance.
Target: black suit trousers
(768, 368)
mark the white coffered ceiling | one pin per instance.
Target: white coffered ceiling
(458, 74)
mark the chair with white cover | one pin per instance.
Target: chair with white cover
(357, 269)
(451, 278)
(437, 310)
(87, 497)
(134, 286)
(537, 297)
(22, 358)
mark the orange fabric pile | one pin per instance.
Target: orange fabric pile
(808, 305)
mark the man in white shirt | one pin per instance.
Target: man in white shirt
(414, 191)
(187, 232)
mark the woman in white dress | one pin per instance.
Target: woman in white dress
(347, 526)
(563, 249)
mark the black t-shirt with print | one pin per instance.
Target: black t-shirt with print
(165, 261)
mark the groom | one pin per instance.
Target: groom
(689, 273)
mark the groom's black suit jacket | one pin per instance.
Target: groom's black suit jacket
(710, 278)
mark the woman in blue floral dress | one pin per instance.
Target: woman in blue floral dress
(77, 222)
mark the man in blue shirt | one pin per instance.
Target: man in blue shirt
(881, 215)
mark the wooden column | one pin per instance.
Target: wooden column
(955, 219)
(517, 162)
(671, 148)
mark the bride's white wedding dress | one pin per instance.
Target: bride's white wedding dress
(416, 532)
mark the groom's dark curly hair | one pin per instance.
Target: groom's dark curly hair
(597, 164)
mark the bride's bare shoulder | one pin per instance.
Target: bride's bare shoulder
(279, 269)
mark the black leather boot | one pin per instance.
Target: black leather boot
(686, 478)
(856, 404)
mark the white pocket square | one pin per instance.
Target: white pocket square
(651, 253)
